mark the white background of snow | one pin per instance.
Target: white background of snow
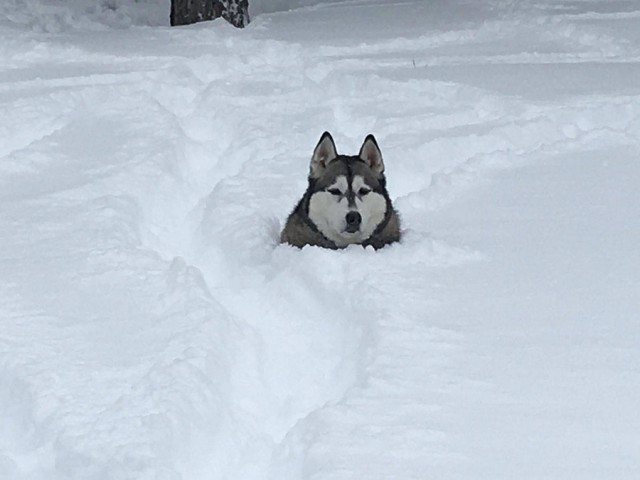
(62, 15)
(152, 327)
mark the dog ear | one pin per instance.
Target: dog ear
(370, 153)
(324, 153)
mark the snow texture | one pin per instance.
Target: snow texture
(151, 326)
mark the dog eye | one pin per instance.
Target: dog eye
(334, 191)
(363, 191)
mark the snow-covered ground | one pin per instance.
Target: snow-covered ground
(151, 327)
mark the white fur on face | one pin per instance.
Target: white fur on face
(372, 207)
(328, 212)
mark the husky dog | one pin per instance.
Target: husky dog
(346, 201)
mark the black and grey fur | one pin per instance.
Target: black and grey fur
(346, 201)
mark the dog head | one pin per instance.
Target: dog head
(348, 198)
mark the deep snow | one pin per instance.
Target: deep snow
(153, 328)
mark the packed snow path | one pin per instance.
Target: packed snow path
(151, 327)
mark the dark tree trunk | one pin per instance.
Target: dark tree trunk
(185, 12)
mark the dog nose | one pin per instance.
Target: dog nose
(353, 221)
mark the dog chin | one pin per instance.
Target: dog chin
(352, 237)
(341, 237)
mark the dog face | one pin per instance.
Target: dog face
(348, 199)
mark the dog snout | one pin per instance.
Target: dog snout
(353, 221)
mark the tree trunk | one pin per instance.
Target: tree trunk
(185, 12)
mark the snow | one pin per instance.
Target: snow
(153, 328)
(58, 16)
